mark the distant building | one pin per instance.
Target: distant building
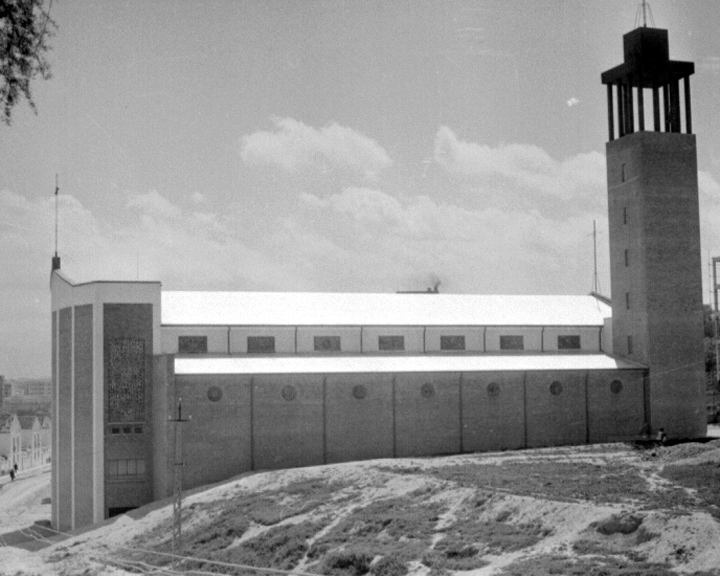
(10, 441)
(275, 380)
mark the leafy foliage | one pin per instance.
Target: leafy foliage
(25, 28)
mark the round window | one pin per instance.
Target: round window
(493, 389)
(427, 390)
(556, 388)
(289, 392)
(616, 386)
(359, 392)
(214, 394)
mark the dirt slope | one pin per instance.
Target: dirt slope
(607, 509)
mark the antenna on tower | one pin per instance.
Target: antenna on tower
(56, 258)
(595, 274)
(644, 8)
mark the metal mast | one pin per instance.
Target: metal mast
(595, 274)
(178, 480)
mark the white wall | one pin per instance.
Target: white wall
(284, 338)
(589, 338)
(473, 337)
(413, 338)
(349, 337)
(532, 337)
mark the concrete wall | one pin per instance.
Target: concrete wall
(242, 422)
(83, 421)
(217, 338)
(653, 215)
(217, 441)
(413, 337)
(287, 421)
(284, 338)
(560, 418)
(349, 338)
(427, 414)
(589, 338)
(64, 455)
(493, 411)
(474, 337)
(615, 404)
(129, 321)
(532, 337)
(358, 417)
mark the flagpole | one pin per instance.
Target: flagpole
(57, 189)
(56, 258)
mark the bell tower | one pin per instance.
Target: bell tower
(656, 270)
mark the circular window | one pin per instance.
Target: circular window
(493, 389)
(214, 394)
(616, 386)
(427, 390)
(556, 388)
(359, 392)
(289, 393)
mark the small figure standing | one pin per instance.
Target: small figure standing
(12, 474)
(662, 436)
(15, 468)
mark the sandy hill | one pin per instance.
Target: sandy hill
(612, 510)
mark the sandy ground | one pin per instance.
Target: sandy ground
(695, 533)
(21, 500)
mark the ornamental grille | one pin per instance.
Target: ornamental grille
(126, 380)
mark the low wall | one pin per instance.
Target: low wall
(242, 423)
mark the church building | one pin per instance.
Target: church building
(256, 381)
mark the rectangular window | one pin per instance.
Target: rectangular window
(627, 300)
(630, 348)
(627, 258)
(512, 343)
(126, 468)
(452, 342)
(624, 215)
(261, 344)
(327, 343)
(623, 172)
(192, 345)
(391, 342)
(569, 342)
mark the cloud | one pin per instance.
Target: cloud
(295, 146)
(522, 169)
(154, 204)
(391, 239)
(351, 238)
(573, 102)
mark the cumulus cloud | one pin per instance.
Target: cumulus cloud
(521, 168)
(153, 204)
(293, 146)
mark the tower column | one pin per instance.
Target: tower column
(656, 107)
(611, 120)
(688, 113)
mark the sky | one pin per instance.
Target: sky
(327, 145)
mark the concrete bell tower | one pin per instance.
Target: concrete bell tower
(656, 270)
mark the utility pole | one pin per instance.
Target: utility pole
(178, 479)
(715, 288)
(595, 275)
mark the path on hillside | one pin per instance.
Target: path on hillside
(21, 500)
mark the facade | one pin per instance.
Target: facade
(10, 442)
(30, 440)
(274, 380)
(656, 270)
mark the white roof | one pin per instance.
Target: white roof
(344, 309)
(389, 364)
